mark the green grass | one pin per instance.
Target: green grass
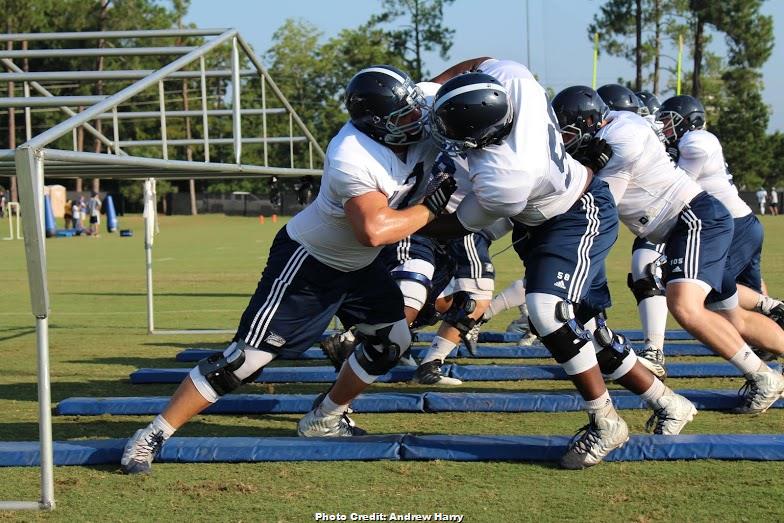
(205, 269)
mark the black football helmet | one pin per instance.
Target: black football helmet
(580, 112)
(379, 97)
(619, 98)
(649, 103)
(470, 111)
(680, 114)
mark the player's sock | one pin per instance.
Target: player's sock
(602, 404)
(653, 316)
(327, 407)
(654, 392)
(747, 362)
(439, 350)
(512, 296)
(160, 424)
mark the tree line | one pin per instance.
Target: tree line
(312, 71)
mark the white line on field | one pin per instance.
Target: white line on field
(115, 313)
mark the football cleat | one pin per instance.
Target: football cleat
(141, 449)
(430, 374)
(671, 414)
(471, 338)
(338, 347)
(357, 431)
(314, 425)
(760, 391)
(594, 441)
(652, 358)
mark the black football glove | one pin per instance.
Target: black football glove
(438, 192)
(595, 155)
(673, 153)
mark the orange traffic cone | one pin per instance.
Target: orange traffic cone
(261, 218)
(274, 218)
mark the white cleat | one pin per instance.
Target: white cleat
(602, 435)
(652, 358)
(760, 391)
(141, 449)
(671, 414)
(314, 426)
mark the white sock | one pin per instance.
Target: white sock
(439, 350)
(512, 296)
(160, 423)
(653, 316)
(654, 392)
(747, 362)
(601, 404)
(330, 408)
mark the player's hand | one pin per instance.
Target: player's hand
(673, 153)
(595, 155)
(438, 192)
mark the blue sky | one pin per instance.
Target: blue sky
(561, 54)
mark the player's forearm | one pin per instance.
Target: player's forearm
(445, 227)
(460, 68)
(390, 225)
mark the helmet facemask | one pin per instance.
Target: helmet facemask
(409, 132)
(672, 125)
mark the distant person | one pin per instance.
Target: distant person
(67, 215)
(94, 211)
(762, 197)
(773, 205)
(2, 203)
(305, 190)
(77, 213)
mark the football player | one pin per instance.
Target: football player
(324, 262)
(564, 220)
(662, 203)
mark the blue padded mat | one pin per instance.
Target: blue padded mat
(204, 450)
(274, 375)
(463, 372)
(554, 372)
(483, 351)
(759, 447)
(704, 399)
(239, 404)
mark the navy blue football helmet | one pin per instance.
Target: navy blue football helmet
(580, 112)
(619, 98)
(680, 114)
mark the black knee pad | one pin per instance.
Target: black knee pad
(457, 315)
(218, 370)
(378, 353)
(565, 343)
(649, 285)
(615, 348)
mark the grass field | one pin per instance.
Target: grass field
(205, 268)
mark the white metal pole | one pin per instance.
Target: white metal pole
(235, 80)
(204, 122)
(149, 226)
(264, 117)
(45, 414)
(29, 170)
(164, 145)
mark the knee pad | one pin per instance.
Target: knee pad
(615, 356)
(379, 349)
(457, 315)
(222, 373)
(564, 337)
(650, 283)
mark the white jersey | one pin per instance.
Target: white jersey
(356, 164)
(649, 190)
(702, 158)
(529, 177)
